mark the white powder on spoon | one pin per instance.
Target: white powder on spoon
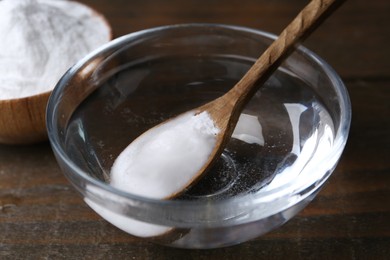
(160, 163)
(165, 159)
(41, 39)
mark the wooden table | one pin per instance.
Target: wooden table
(43, 217)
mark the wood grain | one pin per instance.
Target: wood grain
(22, 121)
(43, 217)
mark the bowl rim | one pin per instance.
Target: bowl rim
(240, 201)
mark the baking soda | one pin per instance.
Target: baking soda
(41, 39)
(165, 159)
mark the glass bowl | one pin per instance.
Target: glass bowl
(288, 141)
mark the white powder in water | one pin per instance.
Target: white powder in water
(163, 160)
(41, 39)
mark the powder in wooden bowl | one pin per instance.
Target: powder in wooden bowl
(41, 39)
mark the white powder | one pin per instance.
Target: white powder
(41, 39)
(127, 224)
(165, 159)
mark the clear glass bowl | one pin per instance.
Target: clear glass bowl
(287, 143)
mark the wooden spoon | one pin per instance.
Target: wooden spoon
(226, 109)
(135, 175)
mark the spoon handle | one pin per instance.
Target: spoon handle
(303, 24)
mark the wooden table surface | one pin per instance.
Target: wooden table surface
(43, 217)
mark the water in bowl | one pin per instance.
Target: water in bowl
(284, 129)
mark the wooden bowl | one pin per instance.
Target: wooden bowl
(22, 120)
